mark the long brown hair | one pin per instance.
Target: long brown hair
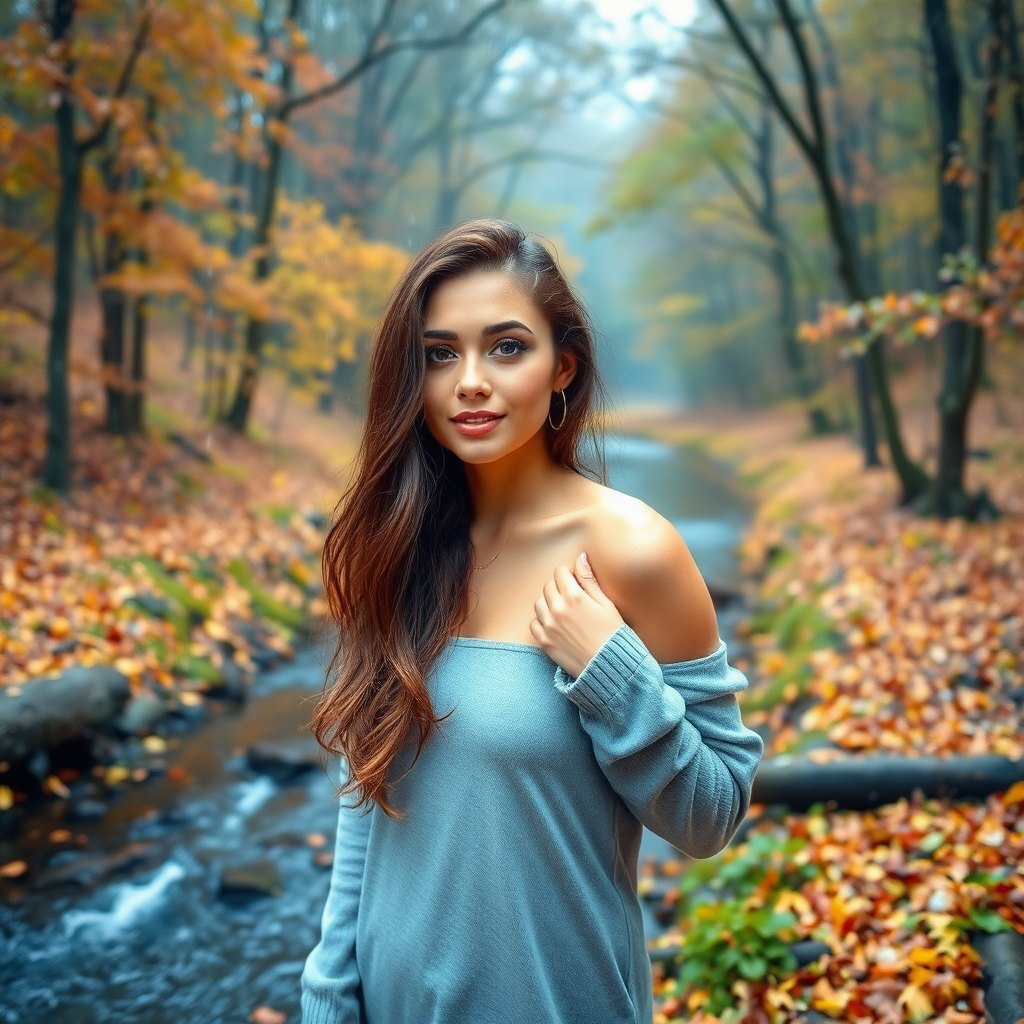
(397, 559)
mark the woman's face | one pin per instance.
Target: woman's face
(492, 366)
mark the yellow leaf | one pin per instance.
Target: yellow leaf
(57, 788)
(1015, 794)
(916, 1002)
(696, 1000)
(215, 629)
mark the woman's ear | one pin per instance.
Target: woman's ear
(565, 369)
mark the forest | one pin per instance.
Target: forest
(799, 228)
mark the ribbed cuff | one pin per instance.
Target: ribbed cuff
(606, 675)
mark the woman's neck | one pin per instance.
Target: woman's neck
(518, 487)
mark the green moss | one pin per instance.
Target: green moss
(192, 667)
(266, 604)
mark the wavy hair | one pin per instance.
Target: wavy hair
(397, 559)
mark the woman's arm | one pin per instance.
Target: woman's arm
(331, 991)
(669, 739)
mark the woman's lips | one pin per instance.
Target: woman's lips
(476, 426)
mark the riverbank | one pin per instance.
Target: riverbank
(872, 631)
(178, 567)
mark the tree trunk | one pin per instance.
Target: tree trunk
(256, 330)
(57, 462)
(1016, 76)
(137, 396)
(962, 344)
(112, 303)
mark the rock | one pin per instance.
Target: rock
(284, 764)
(807, 951)
(152, 605)
(264, 658)
(665, 954)
(283, 839)
(90, 868)
(234, 683)
(49, 711)
(241, 883)
(86, 810)
(141, 713)
(39, 764)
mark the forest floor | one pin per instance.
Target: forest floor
(872, 630)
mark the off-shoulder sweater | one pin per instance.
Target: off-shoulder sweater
(508, 894)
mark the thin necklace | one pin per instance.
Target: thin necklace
(509, 534)
(502, 548)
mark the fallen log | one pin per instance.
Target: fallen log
(866, 783)
(48, 711)
(1002, 975)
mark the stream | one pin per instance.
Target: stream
(162, 941)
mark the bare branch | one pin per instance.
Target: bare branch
(768, 81)
(19, 254)
(373, 55)
(123, 81)
(806, 72)
(23, 307)
(528, 156)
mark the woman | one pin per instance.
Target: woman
(528, 669)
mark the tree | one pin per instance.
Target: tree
(962, 344)
(813, 142)
(101, 71)
(71, 152)
(736, 138)
(327, 288)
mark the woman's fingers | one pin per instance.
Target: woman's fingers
(566, 582)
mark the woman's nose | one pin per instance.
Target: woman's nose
(472, 380)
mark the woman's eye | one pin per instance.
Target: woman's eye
(439, 354)
(510, 347)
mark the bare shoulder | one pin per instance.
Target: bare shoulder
(643, 564)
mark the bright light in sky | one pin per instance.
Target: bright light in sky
(666, 15)
(639, 23)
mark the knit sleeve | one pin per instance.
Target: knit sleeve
(331, 989)
(669, 739)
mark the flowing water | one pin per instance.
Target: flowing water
(159, 942)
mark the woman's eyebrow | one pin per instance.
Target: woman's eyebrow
(506, 325)
(441, 335)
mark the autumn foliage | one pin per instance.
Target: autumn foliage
(989, 296)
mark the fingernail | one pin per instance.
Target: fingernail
(585, 560)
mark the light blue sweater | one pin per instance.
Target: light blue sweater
(508, 894)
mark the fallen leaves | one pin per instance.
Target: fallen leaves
(877, 631)
(921, 653)
(153, 566)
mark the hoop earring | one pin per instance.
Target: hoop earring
(565, 412)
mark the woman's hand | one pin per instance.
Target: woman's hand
(574, 617)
